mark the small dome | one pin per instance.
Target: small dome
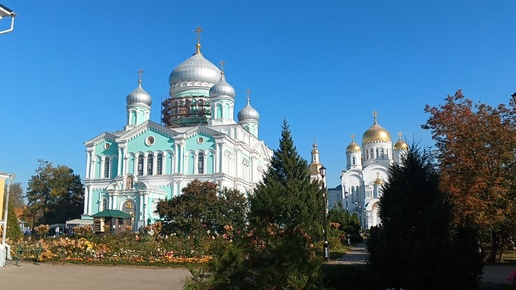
(400, 145)
(248, 113)
(139, 97)
(194, 73)
(376, 133)
(222, 88)
(315, 150)
(353, 146)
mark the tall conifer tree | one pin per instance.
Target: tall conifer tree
(416, 246)
(286, 196)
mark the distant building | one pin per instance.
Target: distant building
(367, 169)
(132, 169)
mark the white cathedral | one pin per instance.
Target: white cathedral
(366, 170)
(198, 138)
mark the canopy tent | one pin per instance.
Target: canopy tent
(112, 213)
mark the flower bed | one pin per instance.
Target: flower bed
(123, 249)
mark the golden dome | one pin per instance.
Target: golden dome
(376, 133)
(400, 144)
(353, 147)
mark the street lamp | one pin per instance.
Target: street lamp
(346, 194)
(326, 246)
(358, 208)
(6, 12)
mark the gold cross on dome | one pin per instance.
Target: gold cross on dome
(198, 30)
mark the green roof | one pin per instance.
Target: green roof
(112, 213)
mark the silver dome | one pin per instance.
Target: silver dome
(222, 88)
(248, 113)
(196, 72)
(139, 97)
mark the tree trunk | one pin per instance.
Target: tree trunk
(494, 247)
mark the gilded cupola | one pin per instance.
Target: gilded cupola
(376, 133)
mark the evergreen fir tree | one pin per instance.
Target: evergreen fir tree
(276, 251)
(286, 196)
(416, 247)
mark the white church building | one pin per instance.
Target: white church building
(366, 170)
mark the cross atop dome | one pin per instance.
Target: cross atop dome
(222, 66)
(140, 73)
(198, 30)
(375, 115)
(248, 91)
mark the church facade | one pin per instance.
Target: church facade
(367, 168)
(198, 138)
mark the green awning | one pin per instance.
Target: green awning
(112, 213)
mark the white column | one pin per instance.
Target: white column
(155, 163)
(216, 159)
(145, 155)
(119, 171)
(88, 164)
(86, 198)
(90, 201)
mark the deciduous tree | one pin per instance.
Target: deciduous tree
(476, 150)
(54, 194)
(203, 210)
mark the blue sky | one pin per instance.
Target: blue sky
(325, 66)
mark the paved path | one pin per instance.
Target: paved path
(48, 276)
(357, 255)
(492, 274)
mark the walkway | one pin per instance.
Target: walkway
(492, 274)
(84, 277)
(357, 255)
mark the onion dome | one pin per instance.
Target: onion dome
(194, 73)
(376, 133)
(315, 150)
(139, 97)
(353, 146)
(222, 88)
(400, 144)
(248, 113)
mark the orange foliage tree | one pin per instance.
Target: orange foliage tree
(476, 146)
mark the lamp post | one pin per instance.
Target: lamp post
(358, 208)
(346, 194)
(6, 12)
(326, 246)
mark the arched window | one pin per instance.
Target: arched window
(354, 160)
(140, 165)
(104, 204)
(200, 163)
(106, 167)
(159, 164)
(372, 154)
(383, 153)
(150, 164)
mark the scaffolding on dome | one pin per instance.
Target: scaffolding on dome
(186, 111)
